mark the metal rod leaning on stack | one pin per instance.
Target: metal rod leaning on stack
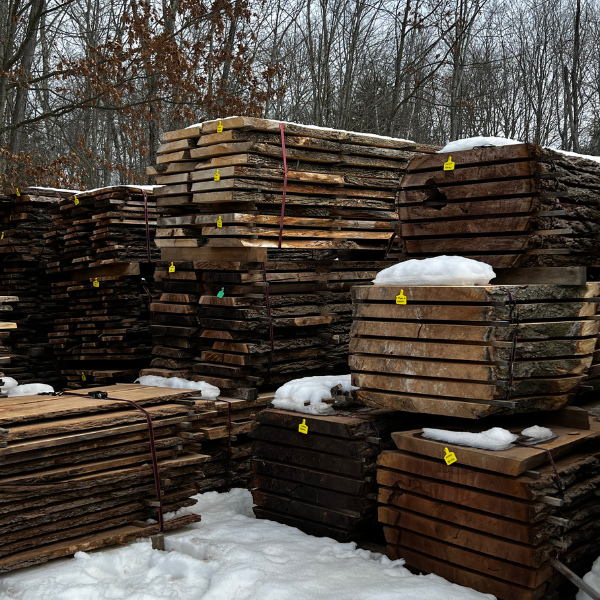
(222, 216)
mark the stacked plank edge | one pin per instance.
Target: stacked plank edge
(101, 275)
(26, 215)
(509, 206)
(492, 520)
(76, 472)
(322, 481)
(450, 350)
(234, 309)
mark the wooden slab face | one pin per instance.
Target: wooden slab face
(514, 461)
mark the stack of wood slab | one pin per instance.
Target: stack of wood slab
(102, 283)
(213, 320)
(76, 472)
(508, 206)
(493, 521)
(321, 481)
(235, 309)
(6, 326)
(23, 255)
(222, 431)
(472, 351)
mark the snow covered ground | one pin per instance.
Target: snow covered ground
(230, 555)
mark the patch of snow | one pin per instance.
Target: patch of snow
(8, 383)
(208, 390)
(592, 579)
(495, 438)
(230, 555)
(440, 270)
(29, 389)
(54, 190)
(537, 433)
(470, 143)
(148, 188)
(306, 394)
(588, 156)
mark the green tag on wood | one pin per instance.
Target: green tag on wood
(221, 293)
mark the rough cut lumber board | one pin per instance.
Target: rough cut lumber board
(513, 461)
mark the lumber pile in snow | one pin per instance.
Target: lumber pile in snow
(6, 327)
(509, 206)
(493, 519)
(102, 242)
(76, 471)
(265, 313)
(26, 217)
(316, 472)
(472, 351)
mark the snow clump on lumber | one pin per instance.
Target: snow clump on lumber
(592, 579)
(537, 434)
(475, 142)
(440, 270)
(7, 383)
(29, 389)
(208, 390)
(305, 395)
(230, 555)
(495, 438)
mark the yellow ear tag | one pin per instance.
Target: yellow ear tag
(219, 222)
(18, 192)
(217, 176)
(220, 127)
(449, 165)
(96, 283)
(83, 377)
(449, 457)
(303, 427)
(76, 200)
(401, 298)
(2, 236)
(172, 268)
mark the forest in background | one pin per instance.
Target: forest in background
(88, 86)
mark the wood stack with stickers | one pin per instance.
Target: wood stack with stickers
(78, 471)
(263, 228)
(496, 487)
(102, 276)
(26, 215)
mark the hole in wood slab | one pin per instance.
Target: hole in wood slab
(435, 198)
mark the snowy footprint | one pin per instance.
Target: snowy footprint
(276, 554)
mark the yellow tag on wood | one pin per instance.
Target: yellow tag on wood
(449, 457)
(219, 222)
(449, 165)
(172, 268)
(76, 200)
(220, 127)
(18, 192)
(83, 377)
(217, 176)
(2, 236)
(303, 427)
(401, 298)
(96, 283)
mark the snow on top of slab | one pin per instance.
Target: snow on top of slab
(54, 190)
(208, 390)
(7, 383)
(568, 153)
(29, 389)
(373, 135)
(305, 395)
(230, 555)
(473, 142)
(148, 188)
(495, 438)
(592, 578)
(440, 270)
